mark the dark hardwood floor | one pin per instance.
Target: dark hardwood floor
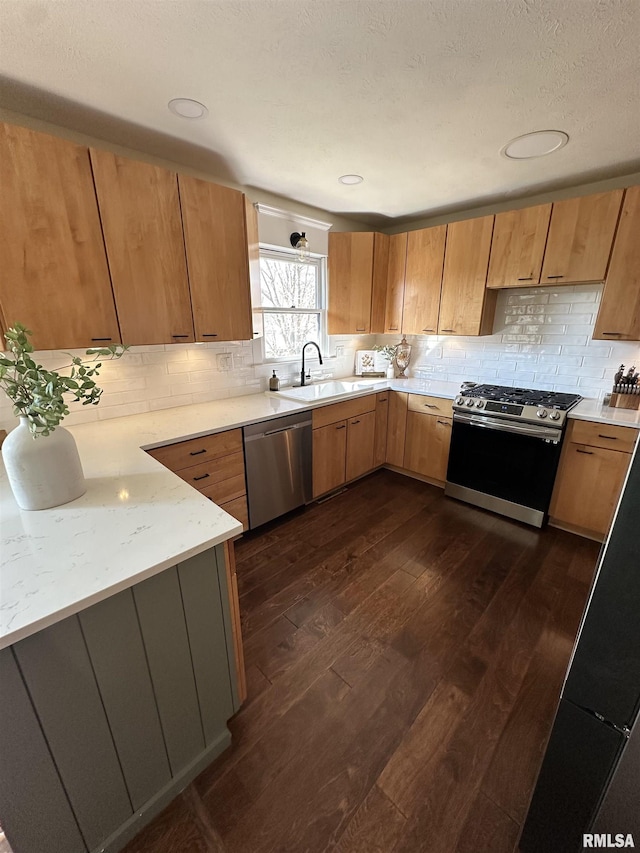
(404, 658)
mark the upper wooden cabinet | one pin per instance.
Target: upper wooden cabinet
(395, 283)
(423, 280)
(517, 248)
(466, 307)
(140, 212)
(357, 282)
(53, 267)
(580, 238)
(216, 243)
(619, 314)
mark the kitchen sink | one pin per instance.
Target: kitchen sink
(330, 390)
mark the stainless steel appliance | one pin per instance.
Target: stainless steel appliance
(278, 464)
(505, 449)
(588, 782)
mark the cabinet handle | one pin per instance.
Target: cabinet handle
(586, 452)
(444, 423)
(359, 329)
(344, 426)
(430, 405)
(201, 477)
(428, 330)
(198, 452)
(617, 334)
(383, 399)
(448, 330)
(555, 276)
(209, 335)
(608, 437)
(355, 422)
(393, 328)
(530, 278)
(101, 339)
(179, 336)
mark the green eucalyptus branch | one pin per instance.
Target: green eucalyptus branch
(388, 351)
(38, 394)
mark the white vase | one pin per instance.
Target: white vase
(45, 471)
(391, 373)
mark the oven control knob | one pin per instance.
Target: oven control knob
(469, 402)
(479, 404)
(541, 413)
(459, 401)
(555, 415)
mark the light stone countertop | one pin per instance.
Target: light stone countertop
(137, 517)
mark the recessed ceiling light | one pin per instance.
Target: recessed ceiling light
(535, 144)
(188, 108)
(351, 179)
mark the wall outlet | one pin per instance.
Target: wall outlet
(339, 351)
(225, 361)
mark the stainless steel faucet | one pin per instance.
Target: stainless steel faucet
(304, 346)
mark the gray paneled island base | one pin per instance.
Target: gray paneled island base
(106, 715)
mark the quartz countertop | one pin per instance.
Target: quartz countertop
(137, 517)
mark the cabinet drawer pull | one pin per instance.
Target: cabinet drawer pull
(528, 278)
(586, 452)
(615, 334)
(359, 328)
(209, 335)
(344, 426)
(444, 423)
(448, 330)
(430, 405)
(179, 336)
(355, 422)
(201, 477)
(555, 276)
(428, 330)
(393, 328)
(383, 399)
(101, 339)
(608, 437)
(198, 452)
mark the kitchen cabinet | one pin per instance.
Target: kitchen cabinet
(594, 462)
(142, 225)
(357, 269)
(217, 247)
(382, 415)
(395, 283)
(428, 436)
(55, 278)
(423, 280)
(517, 247)
(580, 238)
(396, 427)
(466, 306)
(344, 438)
(619, 314)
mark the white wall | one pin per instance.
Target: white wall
(541, 339)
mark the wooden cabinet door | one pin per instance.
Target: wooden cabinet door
(350, 282)
(517, 248)
(382, 414)
(588, 487)
(580, 238)
(427, 445)
(329, 457)
(140, 212)
(53, 268)
(395, 283)
(423, 280)
(465, 306)
(396, 427)
(215, 236)
(361, 432)
(619, 314)
(379, 286)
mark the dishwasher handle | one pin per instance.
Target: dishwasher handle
(268, 432)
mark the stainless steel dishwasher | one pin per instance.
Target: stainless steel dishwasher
(278, 463)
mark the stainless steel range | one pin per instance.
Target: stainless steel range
(505, 449)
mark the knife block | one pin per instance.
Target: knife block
(625, 401)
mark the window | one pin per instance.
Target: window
(292, 303)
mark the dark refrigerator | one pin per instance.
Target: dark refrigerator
(589, 781)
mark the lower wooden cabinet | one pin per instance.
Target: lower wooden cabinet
(396, 428)
(382, 417)
(590, 476)
(344, 442)
(428, 436)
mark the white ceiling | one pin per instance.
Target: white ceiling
(418, 96)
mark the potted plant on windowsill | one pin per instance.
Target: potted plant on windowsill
(40, 456)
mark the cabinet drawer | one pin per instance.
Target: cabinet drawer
(215, 471)
(602, 435)
(226, 490)
(238, 509)
(343, 411)
(430, 405)
(186, 454)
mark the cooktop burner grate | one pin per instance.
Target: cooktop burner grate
(523, 396)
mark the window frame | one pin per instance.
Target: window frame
(280, 253)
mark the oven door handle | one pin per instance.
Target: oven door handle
(530, 430)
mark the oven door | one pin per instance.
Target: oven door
(503, 465)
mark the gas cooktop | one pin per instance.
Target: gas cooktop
(517, 403)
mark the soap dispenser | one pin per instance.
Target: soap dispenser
(274, 383)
